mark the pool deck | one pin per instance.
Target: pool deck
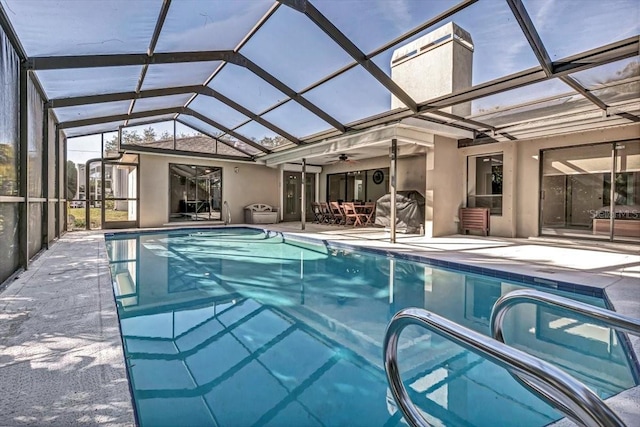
(61, 357)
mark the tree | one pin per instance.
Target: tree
(129, 137)
(148, 134)
(8, 176)
(269, 142)
(72, 180)
(111, 145)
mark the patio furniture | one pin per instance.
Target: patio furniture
(260, 213)
(368, 210)
(326, 213)
(474, 219)
(318, 215)
(352, 216)
(336, 213)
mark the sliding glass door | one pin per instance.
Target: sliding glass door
(195, 192)
(577, 195)
(625, 193)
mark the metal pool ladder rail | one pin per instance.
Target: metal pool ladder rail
(227, 218)
(601, 316)
(555, 386)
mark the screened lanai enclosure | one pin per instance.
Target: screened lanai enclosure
(250, 84)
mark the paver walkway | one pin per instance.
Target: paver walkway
(61, 360)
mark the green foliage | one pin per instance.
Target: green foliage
(148, 134)
(72, 180)
(8, 175)
(111, 145)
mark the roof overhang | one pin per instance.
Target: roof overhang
(376, 137)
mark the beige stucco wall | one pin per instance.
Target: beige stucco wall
(444, 176)
(521, 175)
(443, 184)
(435, 70)
(412, 174)
(252, 184)
(527, 188)
(501, 225)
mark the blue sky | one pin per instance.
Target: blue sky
(296, 51)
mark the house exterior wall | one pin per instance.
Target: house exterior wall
(251, 184)
(528, 187)
(501, 225)
(373, 163)
(521, 186)
(443, 184)
(442, 173)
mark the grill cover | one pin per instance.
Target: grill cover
(409, 211)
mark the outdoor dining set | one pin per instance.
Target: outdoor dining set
(345, 213)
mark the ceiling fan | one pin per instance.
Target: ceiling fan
(343, 158)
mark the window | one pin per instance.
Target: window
(358, 186)
(196, 192)
(484, 187)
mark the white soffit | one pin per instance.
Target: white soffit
(382, 135)
(439, 129)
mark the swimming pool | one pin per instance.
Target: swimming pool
(246, 327)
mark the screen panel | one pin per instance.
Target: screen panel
(76, 27)
(303, 53)
(193, 25)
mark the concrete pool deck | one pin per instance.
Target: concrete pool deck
(61, 357)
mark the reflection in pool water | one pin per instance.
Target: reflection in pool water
(241, 327)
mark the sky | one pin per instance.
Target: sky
(80, 149)
(294, 50)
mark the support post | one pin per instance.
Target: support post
(23, 232)
(56, 181)
(102, 183)
(45, 177)
(612, 193)
(87, 192)
(392, 183)
(63, 196)
(303, 201)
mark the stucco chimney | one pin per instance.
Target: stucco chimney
(436, 64)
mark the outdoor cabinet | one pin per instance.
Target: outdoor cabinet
(474, 219)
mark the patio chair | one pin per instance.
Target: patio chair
(369, 211)
(351, 216)
(336, 213)
(318, 215)
(326, 213)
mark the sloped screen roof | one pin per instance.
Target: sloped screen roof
(266, 75)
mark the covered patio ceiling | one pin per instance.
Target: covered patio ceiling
(269, 77)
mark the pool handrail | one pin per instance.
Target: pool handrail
(552, 384)
(603, 316)
(227, 218)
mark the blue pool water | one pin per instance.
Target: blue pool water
(242, 327)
